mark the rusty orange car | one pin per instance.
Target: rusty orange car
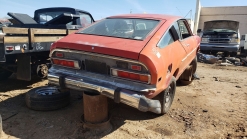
(135, 59)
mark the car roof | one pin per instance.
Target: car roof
(59, 9)
(148, 16)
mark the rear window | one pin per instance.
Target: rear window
(136, 29)
(47, 16)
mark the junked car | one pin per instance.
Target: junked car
(220, 36)
(134, 59)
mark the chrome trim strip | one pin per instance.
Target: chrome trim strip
(189, 54)
(99, 55)
(149, 76)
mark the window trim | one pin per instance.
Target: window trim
(187, 27)
(92, 20)
(150, 31)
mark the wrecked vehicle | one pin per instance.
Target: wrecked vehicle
(134, 59)
(25, 44)
(220, 36)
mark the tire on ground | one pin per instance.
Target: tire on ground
(166, 97)
(4, 74)
(187, 76)
(47, 98)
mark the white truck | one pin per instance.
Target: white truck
(243, 44)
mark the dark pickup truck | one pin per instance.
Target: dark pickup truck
(25, 44)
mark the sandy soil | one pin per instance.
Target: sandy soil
(213, 107)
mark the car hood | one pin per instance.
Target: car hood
(221, 24)
(119, 47)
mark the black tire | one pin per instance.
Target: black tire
(188, 73)
(233, 54)
(166, 97)
(4, 74)
(47, 98)
(242, 50)
(194, 65)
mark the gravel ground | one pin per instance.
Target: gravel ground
(213, 107)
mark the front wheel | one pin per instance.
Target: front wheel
(4, 74)
(167, 96)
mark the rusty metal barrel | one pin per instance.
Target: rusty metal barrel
(96, 115)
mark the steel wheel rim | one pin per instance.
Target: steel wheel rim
(48, 91)
(168, 96)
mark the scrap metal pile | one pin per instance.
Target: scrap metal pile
(221, 60)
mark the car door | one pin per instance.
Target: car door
(187, 40)
(245, 42)
(172, 51)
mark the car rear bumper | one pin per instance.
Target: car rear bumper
(113, 89)
(219, 47)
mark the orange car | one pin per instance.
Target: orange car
(134, 59)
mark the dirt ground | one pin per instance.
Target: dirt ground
(213, 107)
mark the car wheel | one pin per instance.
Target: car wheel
(194, 65)
(1, 127)
(233, 54)
(4, 74)
(242, 50)
(187, 77)
(47, 98)
(167, 96)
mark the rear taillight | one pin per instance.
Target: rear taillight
(131, 75)
(66, 63)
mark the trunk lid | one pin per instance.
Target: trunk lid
(221, 24)
(126, 48)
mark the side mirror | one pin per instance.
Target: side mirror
(199, 30)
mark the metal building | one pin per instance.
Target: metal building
(236, 13)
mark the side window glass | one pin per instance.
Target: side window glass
(85, 19)
(183, 29)
(165, 40)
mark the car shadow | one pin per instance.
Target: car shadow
(20, 122)
(13, 84)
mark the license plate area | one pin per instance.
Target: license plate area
(96, 67)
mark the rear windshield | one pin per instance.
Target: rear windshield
(122, 28)
(47, 16)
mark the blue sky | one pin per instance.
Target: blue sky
(103, 8)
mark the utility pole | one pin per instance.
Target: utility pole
(197, 16)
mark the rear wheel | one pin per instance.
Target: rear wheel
(166, 97)
(187, 77)
(4, 74)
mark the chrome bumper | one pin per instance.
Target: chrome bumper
(219, 47)
(131, 98)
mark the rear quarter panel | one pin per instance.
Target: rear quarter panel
(159, 59)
